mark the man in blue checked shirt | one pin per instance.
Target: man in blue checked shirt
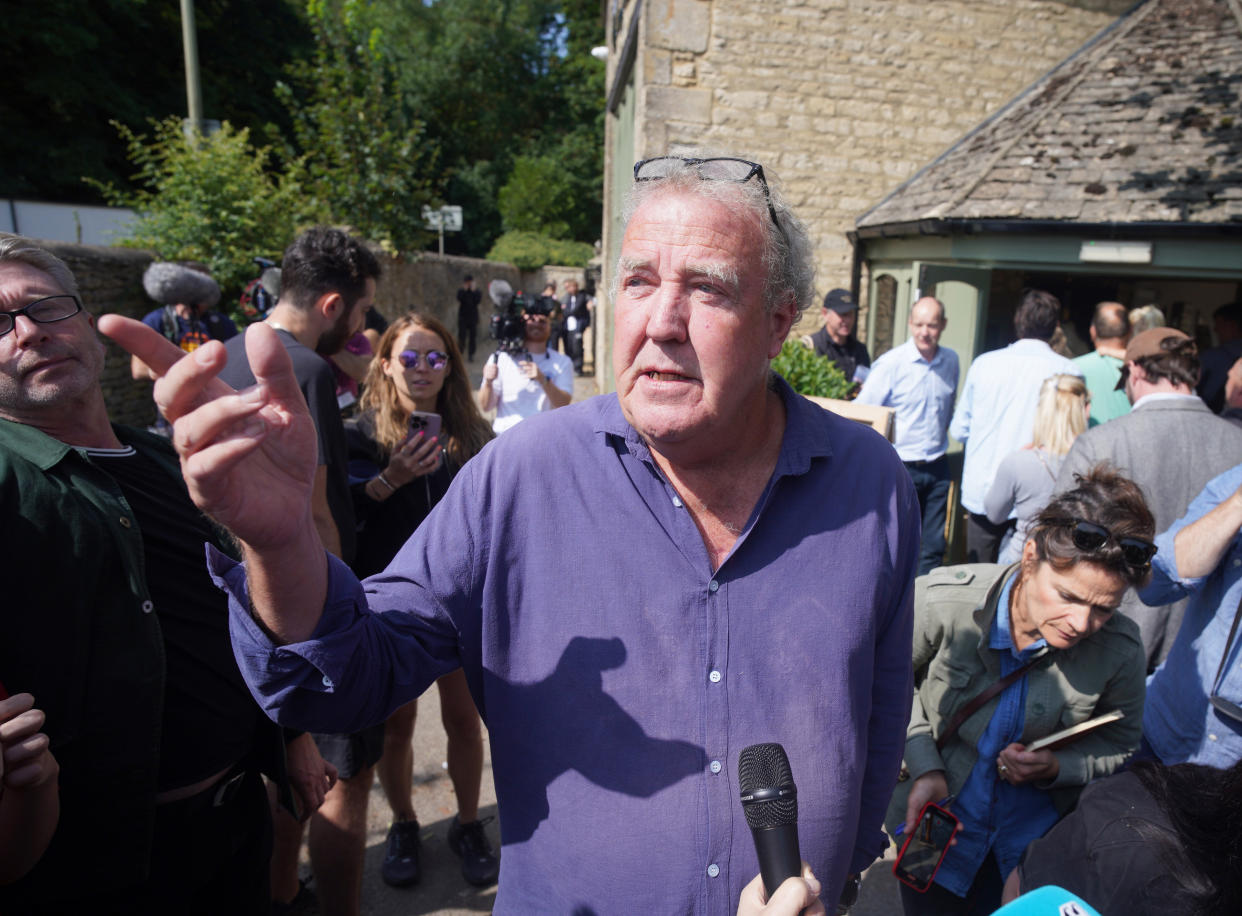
(1194, 699)
(919, 380)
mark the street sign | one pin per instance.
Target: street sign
(445, 219)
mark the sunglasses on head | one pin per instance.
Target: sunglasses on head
(1090, 537)
(436, 359)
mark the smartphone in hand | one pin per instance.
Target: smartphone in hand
(426, 423)
(925, 847)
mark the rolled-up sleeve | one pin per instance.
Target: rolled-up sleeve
(1166, 584)
(327, 683)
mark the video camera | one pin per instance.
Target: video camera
(508, 327)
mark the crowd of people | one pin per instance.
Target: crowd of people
(352, 561)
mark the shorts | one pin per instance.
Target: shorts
(351, 754)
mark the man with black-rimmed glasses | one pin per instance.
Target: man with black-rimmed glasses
(110, 621)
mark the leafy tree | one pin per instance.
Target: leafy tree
(530, 251)
(78, 66)
(368, 164)
(496, 82)
(538, 197)
(210, 199)
(809, 373)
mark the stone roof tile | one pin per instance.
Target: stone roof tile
(1142, 123)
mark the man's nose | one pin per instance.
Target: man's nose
(667, 318)
(27, 330)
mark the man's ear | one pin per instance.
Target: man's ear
(780, 322)
(330, 305)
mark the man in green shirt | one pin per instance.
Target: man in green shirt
(111, 622)
(1110, 332)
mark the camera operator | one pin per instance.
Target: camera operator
(522, 383)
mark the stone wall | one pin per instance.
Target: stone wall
(842, 99)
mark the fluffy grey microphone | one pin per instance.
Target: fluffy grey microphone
(770, 802)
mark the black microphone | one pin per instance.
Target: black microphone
(770, 802)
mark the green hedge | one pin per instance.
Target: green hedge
(808, 373)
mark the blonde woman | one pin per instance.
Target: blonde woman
(1024, 480)
(397, 479)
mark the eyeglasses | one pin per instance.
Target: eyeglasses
(436, 359)
(42, 311)
(718, 169)
(1090, 537)
(536, 316)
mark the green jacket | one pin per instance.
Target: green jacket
(81, 633)
(954, 607)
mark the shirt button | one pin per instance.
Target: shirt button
(1211, 737)
(327, 681)
(714, 677)
(1237, 562)
(125, 523)
(1038, 709)
(677, 501)
(713, 870)
(147, 607)
(715, 766)
(713, 586)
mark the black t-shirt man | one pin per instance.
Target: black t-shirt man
(318, 384)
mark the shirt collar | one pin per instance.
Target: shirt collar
(807, 434)
(1001, 638)
(1164, 396)
(915, 356)
(34, 445)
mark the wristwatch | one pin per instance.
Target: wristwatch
(849, 894)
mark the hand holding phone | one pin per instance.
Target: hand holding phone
(925, 847)
(420, 422)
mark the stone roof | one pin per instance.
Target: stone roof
(1142, 124)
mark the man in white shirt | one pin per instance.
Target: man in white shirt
(996, 413)
(520, 385)
(918, 379)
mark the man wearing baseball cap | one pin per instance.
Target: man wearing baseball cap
(836, 339)
(1170, 443)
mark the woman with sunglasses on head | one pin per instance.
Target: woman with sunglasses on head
(1025, 479)
(1005, 655)
(398, 478)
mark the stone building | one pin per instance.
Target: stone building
(842, 99)
(1116, 176)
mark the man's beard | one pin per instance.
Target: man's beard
(333, 340)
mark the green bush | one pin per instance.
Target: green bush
(209, 199)
(530, 251)
(808, 373)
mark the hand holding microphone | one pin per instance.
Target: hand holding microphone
(770, 802)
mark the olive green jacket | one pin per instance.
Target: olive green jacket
(954, 607)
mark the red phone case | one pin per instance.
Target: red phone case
(905, 879)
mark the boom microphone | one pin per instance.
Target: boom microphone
(770, 802)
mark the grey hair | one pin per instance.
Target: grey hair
(786, 256)
(20, 249)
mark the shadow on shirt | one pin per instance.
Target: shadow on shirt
(571, 723)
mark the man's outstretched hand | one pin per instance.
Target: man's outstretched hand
(248, 457)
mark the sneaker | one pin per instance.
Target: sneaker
(401, 866)
(479, 863)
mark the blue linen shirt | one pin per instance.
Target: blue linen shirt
(996, 815)
(1178, 721)
(618, 675)
(996, 412)
(921, 392)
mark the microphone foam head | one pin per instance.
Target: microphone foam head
(769, 797)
